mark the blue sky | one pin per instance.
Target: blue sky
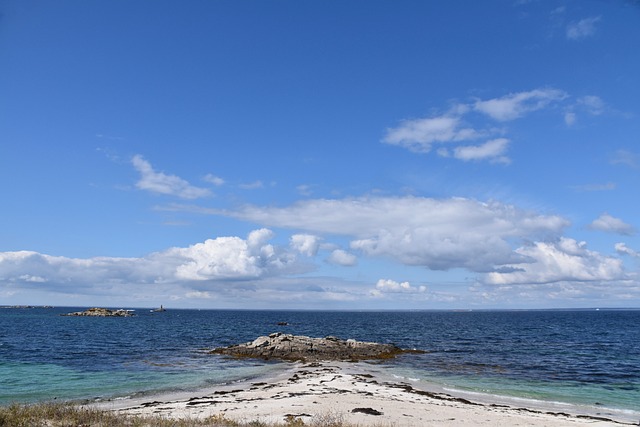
(320, 154)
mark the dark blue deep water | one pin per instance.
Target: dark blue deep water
(584, 357)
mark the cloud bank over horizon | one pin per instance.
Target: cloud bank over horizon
(499, 245)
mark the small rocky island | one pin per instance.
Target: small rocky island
(302, 348)
(102, 312)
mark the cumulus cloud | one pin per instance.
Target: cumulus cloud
(564, 260)
(229, 258)
(516, 105)
(391, 286)
(582, 29)
(158, 182)
(214, 260)
(610, 224)
(493, 150)
(342, 257)
(306, 244)
(435, 233)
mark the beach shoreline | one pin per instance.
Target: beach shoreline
(355, 393)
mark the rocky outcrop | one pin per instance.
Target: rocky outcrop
(296, 347)
(102, 312)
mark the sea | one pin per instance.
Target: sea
(580, 360)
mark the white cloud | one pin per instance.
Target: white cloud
(30, 278)
(199, 295)
(158, 182)
(214, 260)
(62, 272)
(493, 150)
(435, 233)
(230, 258)
(582, 29)
(342, 257)
(418, 135)
(391, 286)
(451, 129)
(516, 105)
(215, 180)
(259, 238)
(610, 224)
(306, 244)
(564, 260)
(623, 249)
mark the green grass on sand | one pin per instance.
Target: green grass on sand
(68, 415)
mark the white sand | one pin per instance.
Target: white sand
(330, 390)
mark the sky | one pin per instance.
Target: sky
(304, 154)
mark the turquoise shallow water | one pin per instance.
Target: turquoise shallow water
(589, 358)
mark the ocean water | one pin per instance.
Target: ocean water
(588, 358)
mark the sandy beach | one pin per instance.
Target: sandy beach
(328, 389)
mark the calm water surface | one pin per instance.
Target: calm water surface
(588, 358)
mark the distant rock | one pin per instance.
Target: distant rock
(25, 306)
(102, 312)
(297, 347)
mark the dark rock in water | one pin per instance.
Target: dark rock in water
(101, 312)
(296, 347)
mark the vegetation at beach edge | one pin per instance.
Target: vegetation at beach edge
(69, 415)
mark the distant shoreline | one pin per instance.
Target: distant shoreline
(25, 306)
(355, 310)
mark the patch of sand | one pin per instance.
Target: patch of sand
(321, 390)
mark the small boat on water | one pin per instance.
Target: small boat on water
(158, 310)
